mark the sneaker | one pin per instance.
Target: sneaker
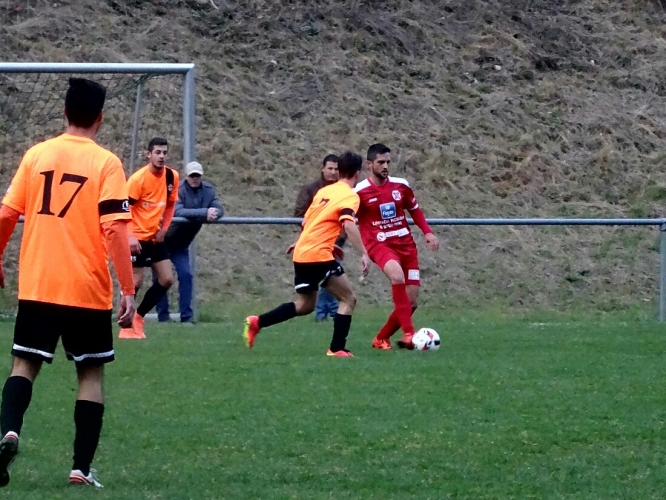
(406, 342)
(251, 330)
(343, 353)
(382, 344)
(137, 325)
(77, 477)
(8, 451)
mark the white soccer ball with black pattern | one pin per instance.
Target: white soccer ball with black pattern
(426, 339)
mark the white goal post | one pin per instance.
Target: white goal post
(142, 101)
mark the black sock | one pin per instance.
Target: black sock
(414, 308)
(281, 313)
(88, 421)
(150, 300)
(16, 397)
(341, 325)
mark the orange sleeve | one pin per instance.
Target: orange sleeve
(168, 214)
(113, 203)
(8, 219)
(115, 233)
(133, 188)
(17, 193)
(176, 184)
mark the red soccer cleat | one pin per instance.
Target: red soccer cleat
(344, 353)
(382, 344)
(251, 330)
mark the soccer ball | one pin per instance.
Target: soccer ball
(426, 339)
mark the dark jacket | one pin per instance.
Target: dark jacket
(192, 204)
(304, 200)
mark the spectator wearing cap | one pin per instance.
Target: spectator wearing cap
(198, 203)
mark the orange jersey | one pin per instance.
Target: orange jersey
(331, 206)
(66, 188)
(148, 194)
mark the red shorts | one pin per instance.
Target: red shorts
(406, 255)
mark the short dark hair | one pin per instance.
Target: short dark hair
(84, 102)
(331, 158)
(376, 150)
(157, 141)
(348, 164)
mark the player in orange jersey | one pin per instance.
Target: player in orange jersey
(73, 195)
(332, 210)
(153, 192)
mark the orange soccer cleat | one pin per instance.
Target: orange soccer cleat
(382, 344)
(406, 342)
(251, 330)
(343, 353)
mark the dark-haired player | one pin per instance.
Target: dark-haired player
(153, 192)
(332, 210)
(72, 193)
(386, 235)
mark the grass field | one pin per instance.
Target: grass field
(540, 407)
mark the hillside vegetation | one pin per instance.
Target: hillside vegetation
(511, 108)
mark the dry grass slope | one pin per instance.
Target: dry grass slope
(494, 108)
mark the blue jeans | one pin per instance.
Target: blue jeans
(181, 261)
(327, 305)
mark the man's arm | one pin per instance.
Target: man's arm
(431, 241)
(354, 237)
(215, 203)
(116, 234)
(8, 219)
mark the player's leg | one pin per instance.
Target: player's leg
(181, 261)
(320, 307)
(389, 261)
(340, 287)
(161, 266)
(90, 347)
(307, 278)
(162, 306)
(36, 334)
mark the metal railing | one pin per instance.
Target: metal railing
(661, 223)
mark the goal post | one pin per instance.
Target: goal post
(143, 100)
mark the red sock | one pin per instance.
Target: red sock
(392, 325)
(403, 308)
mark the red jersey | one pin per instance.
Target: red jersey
(381, 214)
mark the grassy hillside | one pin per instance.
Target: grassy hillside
(493, 108)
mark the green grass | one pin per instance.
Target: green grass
(544, 407)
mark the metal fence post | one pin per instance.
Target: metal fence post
(189, 154)
(135, 126)
(662, 273)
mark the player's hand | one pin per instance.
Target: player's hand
(366, 265)
(2, 275)
(431, 242)
(135, 246)
(161, 234)
(211, 215)
(126, 311)
(291, 248)
(338, 253)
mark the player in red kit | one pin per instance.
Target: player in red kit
(388, 239)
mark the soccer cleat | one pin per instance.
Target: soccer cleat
(127, 333)
(343, 353)
(406, 342)
(137, 325)
(8, 451)
(382, 344)
(251, 330)
(77, 477)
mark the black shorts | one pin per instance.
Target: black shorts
(87, 334)
(151, 253)
(310, 276)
